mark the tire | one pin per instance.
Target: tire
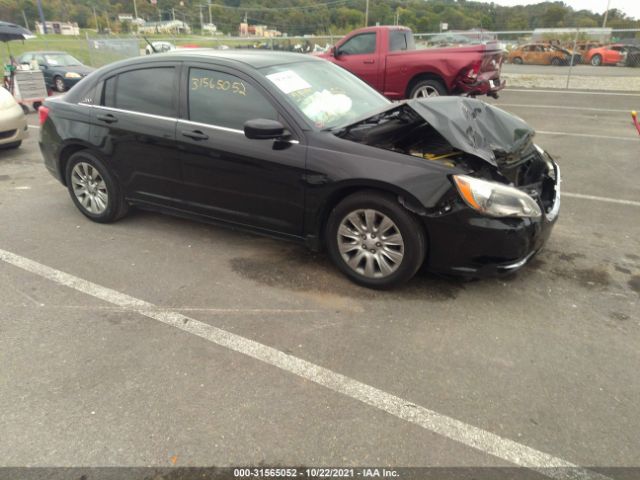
(105, 202)
(37, 105)
(556, 62)
(58, 83)
(517, 61)
(596, 60)
(391, 257)
(428, 88)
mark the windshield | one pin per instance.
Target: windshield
(61, 60)
(325, 93)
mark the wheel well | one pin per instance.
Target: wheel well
(343, 193)
(65, 154)
(424, 76)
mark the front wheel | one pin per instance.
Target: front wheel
(556, 61)
(93, 189)
(428, 88)
(374, 240)
(517, 61)
(58, 82)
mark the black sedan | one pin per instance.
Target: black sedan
(295, 147)
(61, 71)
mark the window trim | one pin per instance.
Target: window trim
(175, 100)
(220, 69)
(375, 44)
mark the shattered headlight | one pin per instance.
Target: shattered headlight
(495, 199)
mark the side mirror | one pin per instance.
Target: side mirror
(43, 66)
(264, 129)
(335, 52)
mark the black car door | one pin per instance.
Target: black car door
(228, 176)
(134, 127)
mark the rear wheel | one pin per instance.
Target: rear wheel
(58, 82)
(93, 189)
(428, 88)
(556, 61)
(596, 60)
(374, 240)
(517, 61)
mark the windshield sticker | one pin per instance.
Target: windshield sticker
(288, 81)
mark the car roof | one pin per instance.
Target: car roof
(252, 58)
(43, 52)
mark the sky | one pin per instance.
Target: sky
(630, 7)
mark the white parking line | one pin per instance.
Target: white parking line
(573, 92)
(589, 135)
(430, 420)
(557, 107)
(601, 199)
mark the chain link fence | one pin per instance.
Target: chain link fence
(598, 59)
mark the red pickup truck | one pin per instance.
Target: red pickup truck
(387, 59)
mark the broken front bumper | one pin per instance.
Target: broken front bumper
(469, 244)
(483, 86)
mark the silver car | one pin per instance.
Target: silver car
(13, 122)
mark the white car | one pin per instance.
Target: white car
(13, 122)
(159, 47)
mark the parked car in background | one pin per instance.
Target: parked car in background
(542, 54)
(387, 59)
(159, 47)
(61, 70)
(607, 55)
(292, 146)
(13, 122)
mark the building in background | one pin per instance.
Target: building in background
(128, 17)
(246, 30)
(169, 26)
(209, 28)
(59, 28)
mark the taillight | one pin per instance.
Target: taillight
(43, 113)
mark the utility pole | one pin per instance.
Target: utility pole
(366, 14)
(210, 21)
(26, 23)
(95, 19)
(201, 20)
(606, 14)
(135, 11)
(44, 24)
(173, 14)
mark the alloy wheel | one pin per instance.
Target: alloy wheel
(89, 188)
(370, 243)
(59, 84)
(425, 92)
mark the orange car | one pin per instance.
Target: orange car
(541, 54)
(607, 55)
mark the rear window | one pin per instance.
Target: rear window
(400, 40)
(148, 90)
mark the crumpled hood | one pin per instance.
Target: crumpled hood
(474, 127)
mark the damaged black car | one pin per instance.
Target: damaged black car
(295, 147)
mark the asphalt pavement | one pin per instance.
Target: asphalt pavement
(544, 361)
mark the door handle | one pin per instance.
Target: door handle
(107, 118)
(195, 134)
(369, 61)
